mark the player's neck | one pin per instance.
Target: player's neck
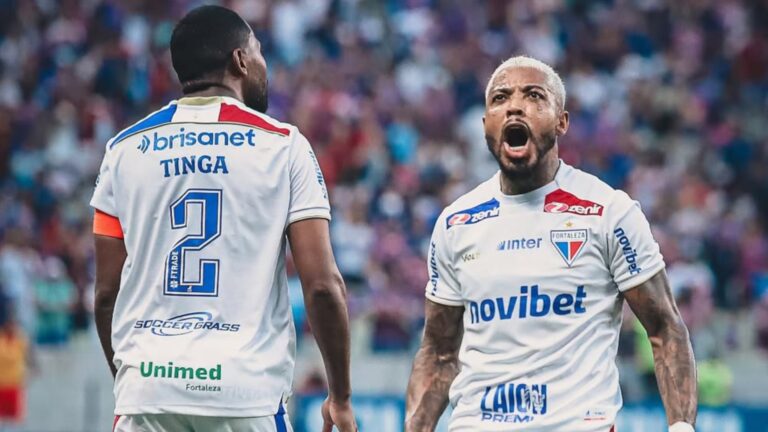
(542, 175)
(211, 89)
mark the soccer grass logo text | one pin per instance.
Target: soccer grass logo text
(185, 324)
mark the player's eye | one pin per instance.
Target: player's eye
(498, 97)
(536, 95)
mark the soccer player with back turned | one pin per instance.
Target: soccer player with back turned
(193, 205)
(528, 275)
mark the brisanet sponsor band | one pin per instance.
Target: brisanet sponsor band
(191, 164)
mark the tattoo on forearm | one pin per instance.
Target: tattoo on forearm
(676, 373)
(675, 366)
(435, 367)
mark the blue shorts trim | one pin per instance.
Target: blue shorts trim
(280, 419)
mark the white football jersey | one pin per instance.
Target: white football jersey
(539, 276)
(204, 190)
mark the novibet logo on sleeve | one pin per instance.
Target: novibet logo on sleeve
(171, 371)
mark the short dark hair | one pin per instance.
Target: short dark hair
(202, 42)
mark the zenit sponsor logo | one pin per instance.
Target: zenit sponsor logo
(560, 201)
(529, 304)
(185, 324)
(183, 138)
(478, 213)
(630, 255)
(513, 403)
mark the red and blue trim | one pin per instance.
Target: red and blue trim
(157, 118)
(235, 114)
(228, 113)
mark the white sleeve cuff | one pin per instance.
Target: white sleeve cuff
(681, 427)
(444, 301)
(642, 278)
(309, 213)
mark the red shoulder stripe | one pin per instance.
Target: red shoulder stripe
(233, 113)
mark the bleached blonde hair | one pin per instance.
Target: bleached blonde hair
(555, 82)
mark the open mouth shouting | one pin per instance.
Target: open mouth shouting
(515, 140)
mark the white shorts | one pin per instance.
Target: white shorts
(187, 423)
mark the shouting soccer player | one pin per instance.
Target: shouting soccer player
(528, 274)
(193, 204)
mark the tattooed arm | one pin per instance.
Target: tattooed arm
(435, 367)
(654, 306)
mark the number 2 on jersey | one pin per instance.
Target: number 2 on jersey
(179, 280)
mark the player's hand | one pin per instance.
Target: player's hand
(338, 414)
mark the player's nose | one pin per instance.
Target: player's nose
(514, 108)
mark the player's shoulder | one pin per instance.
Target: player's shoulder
(476, 205)
(154, 119)
(582, 190)
(234, 111)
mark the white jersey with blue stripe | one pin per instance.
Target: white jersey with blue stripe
(204, 190)
(540, 277)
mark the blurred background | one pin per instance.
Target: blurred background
(668, 100)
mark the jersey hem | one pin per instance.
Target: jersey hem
(639, 280)
(203, 410)
(443, 301)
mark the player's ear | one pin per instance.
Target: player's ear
(239, 62)
(563, 122)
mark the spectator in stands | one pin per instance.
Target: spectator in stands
(715, 381)
(14, 360)
(19, 269)
(55, 297)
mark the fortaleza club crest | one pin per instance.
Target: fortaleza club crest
(569, 243)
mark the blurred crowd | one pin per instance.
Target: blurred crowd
(668, 100)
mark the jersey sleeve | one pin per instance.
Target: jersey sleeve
(309, 197)
(633, 254)
(443, 287)
(104, 195)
